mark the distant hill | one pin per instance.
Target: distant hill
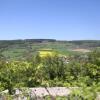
(25, 49)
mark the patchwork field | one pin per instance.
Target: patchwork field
(23, 49)
(82, 50)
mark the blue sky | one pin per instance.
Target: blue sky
(58, 19)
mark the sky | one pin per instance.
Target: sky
(50, 19)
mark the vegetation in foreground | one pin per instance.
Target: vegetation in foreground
(50, 71)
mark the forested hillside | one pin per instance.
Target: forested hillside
(24, 49)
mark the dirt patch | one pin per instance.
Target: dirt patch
(81, 50)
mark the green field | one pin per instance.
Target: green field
(21, 49)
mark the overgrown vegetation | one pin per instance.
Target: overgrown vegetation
(83, 71)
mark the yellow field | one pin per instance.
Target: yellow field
(46, 52)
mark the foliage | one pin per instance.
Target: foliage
(84, 93)
(52, 71)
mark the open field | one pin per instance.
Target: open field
(22, 49)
